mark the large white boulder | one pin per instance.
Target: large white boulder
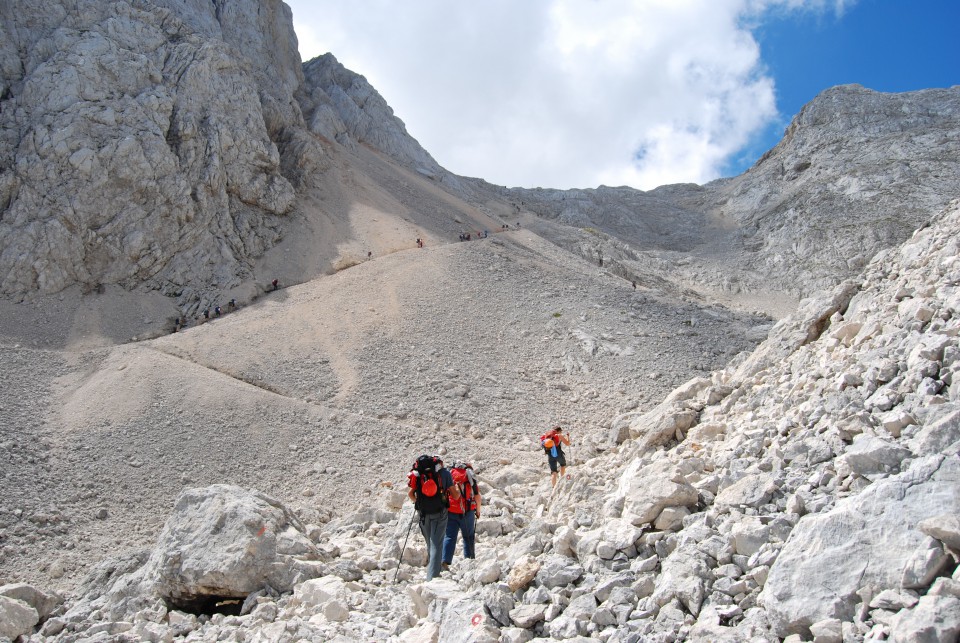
(869, 539)
(648, 490)
(224, 541)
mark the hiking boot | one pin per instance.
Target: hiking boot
(444, 567)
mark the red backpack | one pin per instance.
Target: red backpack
(425, 480)
(468, 488)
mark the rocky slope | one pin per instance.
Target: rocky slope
(808, 491)
(178, 148)
(467, 347)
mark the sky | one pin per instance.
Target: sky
(582, 93)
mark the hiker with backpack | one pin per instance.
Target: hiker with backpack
(552, 442)
(431, 488)
(462, 513)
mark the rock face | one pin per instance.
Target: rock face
(342, 106)
(856, 172)
(140, 141)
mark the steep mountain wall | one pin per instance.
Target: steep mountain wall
(159, 145)
(141, 141)
(856, 172)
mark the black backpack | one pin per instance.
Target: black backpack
(426, 481)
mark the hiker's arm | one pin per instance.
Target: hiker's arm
(478, 500)
(454, 492)
(565, 439)
(411, 494)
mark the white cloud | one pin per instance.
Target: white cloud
(562, 93)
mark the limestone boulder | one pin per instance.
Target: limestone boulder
(526, 616)
(16, 618)
(226, 541)
(750, 491)
(940, 431)
(934, 619)
(648, 490)
(868, 539)
(683, 577)
(870, 455)
(945, 528)
(43, 602)
(558, 571)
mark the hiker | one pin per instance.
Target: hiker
(552, 443)
(206, 314)
(431, 488)
(634, 284)
(232, 305)
(217, 311)
(275, 284)
(462, 513)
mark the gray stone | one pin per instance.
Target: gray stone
(870, 454)
(945, 528)
(827, 631)
(223, 540)
(751, 491)
(934, 619)
(865, 540)
(558, 571)
(526, 616)
(683, 577)
(39, 600)
(940, 430)
(16, 618)
(647, 491)
(924, 565)
(749, 535)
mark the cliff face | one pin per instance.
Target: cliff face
(141, 141)
(857, 171)
(158, 145)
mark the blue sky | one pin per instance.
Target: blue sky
(578, 93)
(886, 45)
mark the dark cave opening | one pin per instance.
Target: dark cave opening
(206, 605)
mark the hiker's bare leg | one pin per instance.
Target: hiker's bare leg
(563, 471)
(553, 479)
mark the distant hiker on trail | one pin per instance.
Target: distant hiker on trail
(274, 284)
(463, 513)
(634, 284)
(419, 242)
(216, 311)
(369, 254)
(552, 443)
(232, 305)
(206, 314)
(431, 489)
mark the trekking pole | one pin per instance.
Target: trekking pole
(404, 548)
